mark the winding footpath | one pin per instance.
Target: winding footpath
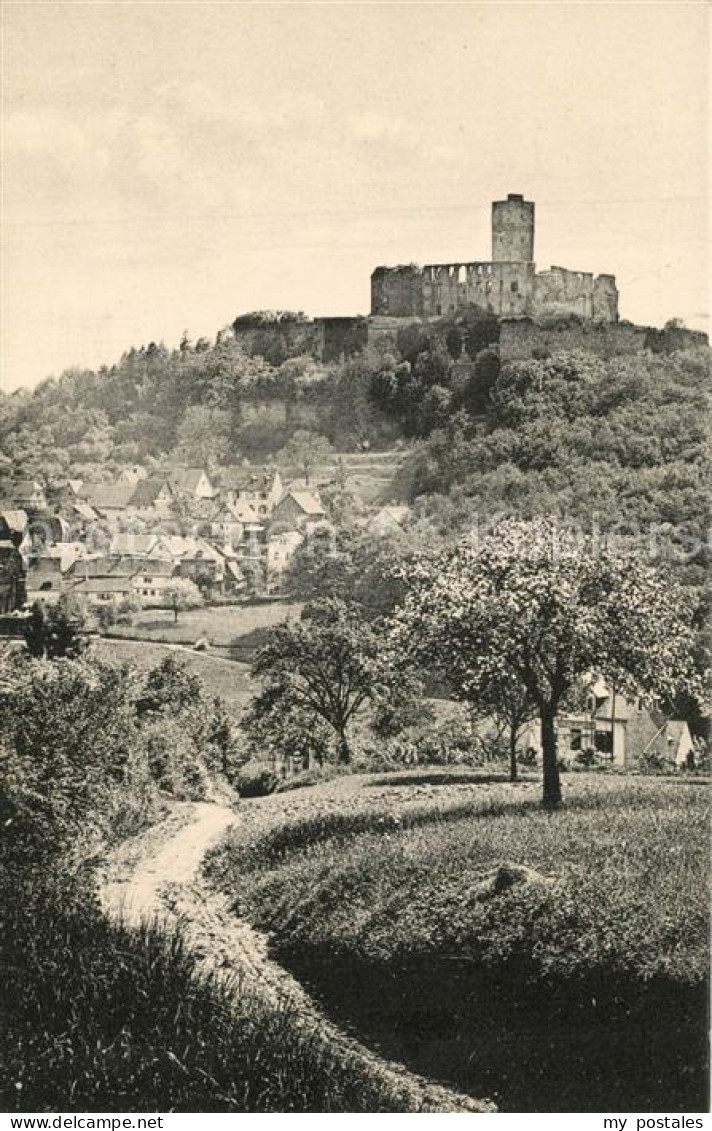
(159, 875)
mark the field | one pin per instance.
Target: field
(226, 678)
(551, 962)
(222, 626)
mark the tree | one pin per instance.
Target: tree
(542, 607)
(362, 570)
(327, 667)
(511, 707)
(306, 450)
(182, 594)
(52, 632)
(203, 436)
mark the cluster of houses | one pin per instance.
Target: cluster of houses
(232, 534)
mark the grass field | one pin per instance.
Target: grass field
(230, 680)
(580, 987)
(220, 625)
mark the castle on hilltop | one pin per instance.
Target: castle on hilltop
(507, 286)
(531, 313)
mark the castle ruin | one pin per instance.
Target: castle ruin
(508, 285)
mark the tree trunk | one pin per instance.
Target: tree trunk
(344, 752)
(513, 775)
(175, 615)
(552, 783)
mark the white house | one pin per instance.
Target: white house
(616, 729)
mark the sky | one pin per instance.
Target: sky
(167, 166)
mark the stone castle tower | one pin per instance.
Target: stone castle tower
(508, 285)
(513, 230)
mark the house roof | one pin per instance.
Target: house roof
(103, 585)
(155, 567)
(19, 485)
(146, 491)
(247, 478)
(187, 478)
(177, 546)
(84, 511)
(306, 501)
(235, 570)
(135, 544)
(397, 514)
(107, 496)
(104, 567)
(240, 511)
(15, 519)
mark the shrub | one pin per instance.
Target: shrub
(585, 757)
(308, 777)
(653, 762)
(256, 780)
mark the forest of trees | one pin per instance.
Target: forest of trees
(622, 440)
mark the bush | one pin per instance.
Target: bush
(256, 780)
(585, 757)
(309, 777)
(653, 762)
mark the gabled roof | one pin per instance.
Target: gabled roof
(107, 496)
(84, 511)
(15, 519)
(240, 511)
(146, 491)
(398, 514)
(182, 548)
(136, 544)
(187, 478)
(21, 485)
(306, 501)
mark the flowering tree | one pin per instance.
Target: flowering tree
(542, 607)
(182, 593)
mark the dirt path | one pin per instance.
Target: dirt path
(159, 874)
(166, 856)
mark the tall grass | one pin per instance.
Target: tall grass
(102, 1016)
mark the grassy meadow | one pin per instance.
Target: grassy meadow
(581, 986)
(221, 625)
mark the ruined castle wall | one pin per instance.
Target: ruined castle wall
(441, 289)
(605, 298)
(560, 290)
(521, 339)
(339, 337)
(500, 288)
(276, 340)
(397, 291)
